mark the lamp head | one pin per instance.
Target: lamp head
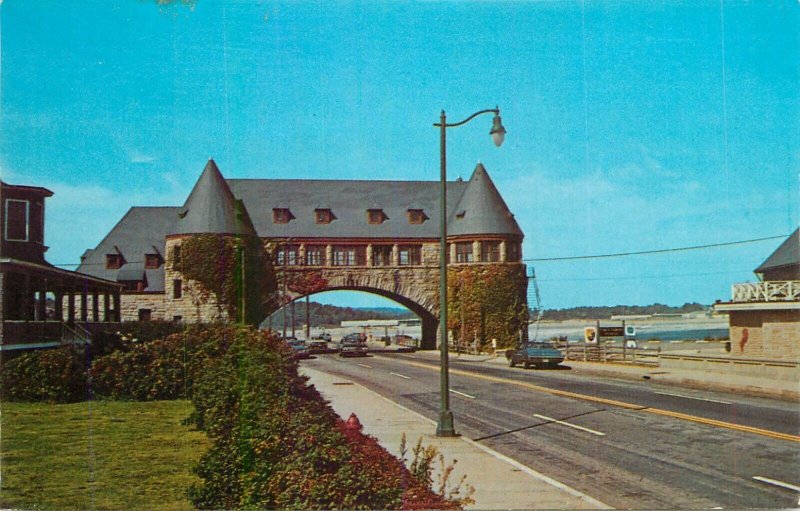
(498, 132)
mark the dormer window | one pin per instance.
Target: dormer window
(152, 261)
(282, 216)
(323, 216)
(416, 216)
(114, 261)
(376, 216)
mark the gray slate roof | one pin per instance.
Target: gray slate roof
(481, 209)
(785, 255)
(141, 229)
(349, 202)
(212, 208)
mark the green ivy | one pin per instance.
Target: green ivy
(232, 270)
(488, 302)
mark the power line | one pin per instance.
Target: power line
(658, 251)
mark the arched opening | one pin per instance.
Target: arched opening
(292, 318)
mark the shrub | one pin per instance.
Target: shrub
(55, 375)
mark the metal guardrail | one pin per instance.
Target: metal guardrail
(610, 353)
(769, 291)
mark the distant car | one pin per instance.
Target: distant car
(404, 340)
(325, 336)
(317, 347)
(536, 354)
(300, 349)
(353, 349)
(353, 338)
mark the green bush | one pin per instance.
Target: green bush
(55, 375)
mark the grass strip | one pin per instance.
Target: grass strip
(97, 455)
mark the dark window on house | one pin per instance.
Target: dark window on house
(349, 255)
(177, 319)
(176, 255)
(324, 216)
(177, 288)
(490, 251)
(464, 252)
(152, 261)
(416, 216)
(288, 255)
(315, 255)
(17, 225)
(512, 251)
(381, 255)
(410, 254)
(281, 215)
(113, 261)
(145, 314)
(376, 216)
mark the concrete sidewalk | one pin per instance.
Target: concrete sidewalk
(500, 482)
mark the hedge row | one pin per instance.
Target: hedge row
(275, 442)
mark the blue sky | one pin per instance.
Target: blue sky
(631, 125)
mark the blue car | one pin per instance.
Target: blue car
(537, 354)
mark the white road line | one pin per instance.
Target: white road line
(692, 397)
(365, 365)
(777, 483)
(461, 394)
(401, 376)
(550, 419)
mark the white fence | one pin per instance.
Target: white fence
(772, 291)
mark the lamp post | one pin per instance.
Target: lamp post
(445, 425)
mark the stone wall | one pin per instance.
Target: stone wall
(188, 306)
(132, 303)
(770, 334)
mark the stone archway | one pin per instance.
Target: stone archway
(415, 289)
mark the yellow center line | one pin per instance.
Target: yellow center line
(612, 402)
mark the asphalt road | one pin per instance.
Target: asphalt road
(629, 444)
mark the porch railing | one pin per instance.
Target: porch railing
(769, 291)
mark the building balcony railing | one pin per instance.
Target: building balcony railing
(769, 291)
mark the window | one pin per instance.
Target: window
(114, 261)
(281, 215)
(177, 288)
(315, 255)
(323, 216)
(17, 220)
(132, 285)
(512, 251)
(381, 255)
(145, 314)
(410, 254)
(416, 216)
(176, 255)
(490, 251)
(376, 216)
(464, 252)
(349, 255)
(290, 252)
(177, 319)
(152, 261)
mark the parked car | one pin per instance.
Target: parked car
(300, 349)
(404, 340)
(353, 349)
(317, 347)
(353, 338)
(536, 354)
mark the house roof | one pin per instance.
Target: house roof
(348, 201)
(212, 208)
(135, 235)
(481, 209)
(44, 192)
(787, 254)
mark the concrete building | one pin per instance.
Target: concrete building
(380, 237)
(765, 315)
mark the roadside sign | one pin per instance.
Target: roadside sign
(590, 335)
(630, 331)
(612, 331)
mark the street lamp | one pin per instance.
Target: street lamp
(445, 425)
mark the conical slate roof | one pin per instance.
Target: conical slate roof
(211, 208)
(481, 209)
(785, 255)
